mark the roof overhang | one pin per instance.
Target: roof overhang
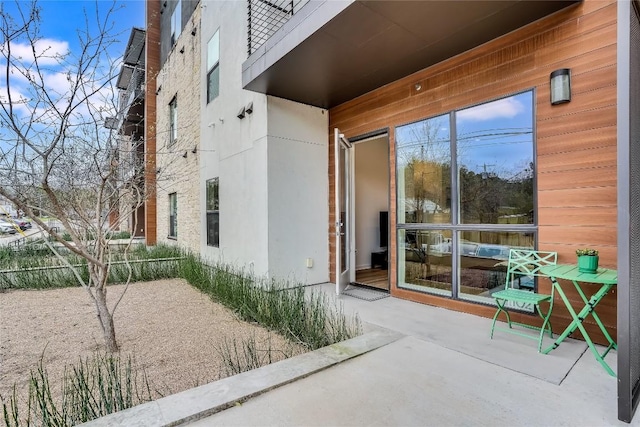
(332, 51)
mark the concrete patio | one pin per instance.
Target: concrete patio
(415, 365)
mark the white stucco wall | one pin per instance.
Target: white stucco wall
(233, 149)
(372, 196)
(272, 165)
(298, 191)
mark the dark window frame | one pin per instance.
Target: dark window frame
(176, 23)
(173, 216)
(213, 69)
(173, 120)
(212, 205)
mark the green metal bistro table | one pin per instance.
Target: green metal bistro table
(607, 279)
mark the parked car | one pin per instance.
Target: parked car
(15, 224)
(23, 223)
(6, 228)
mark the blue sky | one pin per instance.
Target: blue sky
(61, 19)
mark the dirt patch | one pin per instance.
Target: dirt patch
(171, 328)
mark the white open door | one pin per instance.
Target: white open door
(344, 208)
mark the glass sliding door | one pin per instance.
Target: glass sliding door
(465, 196)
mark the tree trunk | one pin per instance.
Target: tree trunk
(105, 317)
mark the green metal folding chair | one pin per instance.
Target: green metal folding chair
(519, 288)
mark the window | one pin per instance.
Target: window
(173, 215)
(213, 69)
(465, 194)
(176, 23)
(173, 120)
(213, 213)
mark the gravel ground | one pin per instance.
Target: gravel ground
(171, 328)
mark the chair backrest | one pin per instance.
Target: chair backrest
(527, 263)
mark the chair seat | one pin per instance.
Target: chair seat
(518, 295)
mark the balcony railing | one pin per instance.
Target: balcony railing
(134, 90)
(266, 17)
(131, 160)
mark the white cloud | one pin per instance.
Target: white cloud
(47, 50)
(506, 108)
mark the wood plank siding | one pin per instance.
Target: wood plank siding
(575, 142)
(152, 64)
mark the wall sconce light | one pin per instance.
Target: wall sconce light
(194, 31)
(241, 113)
(560, 86)
(221, 119)
(249, 108)
(185, 155)
(182, 49)
(417, 87)
(158, 170)
(159, 89)
(194, 150)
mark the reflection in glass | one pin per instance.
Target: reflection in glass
(495, 161)
(424, 261)
(483, 258)
(424, 171)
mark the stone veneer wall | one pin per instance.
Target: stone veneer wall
(180, 77)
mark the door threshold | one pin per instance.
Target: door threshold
(373, 288)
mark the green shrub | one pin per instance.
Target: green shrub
(309, 319)
(92, 388)
(119, 235)
(587, 252)
(35, 267)
(246, 354)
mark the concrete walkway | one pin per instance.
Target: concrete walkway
(415, 365)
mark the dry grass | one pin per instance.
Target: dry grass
(172, 329)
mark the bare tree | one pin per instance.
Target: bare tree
(56, 155)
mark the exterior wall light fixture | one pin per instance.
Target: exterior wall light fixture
(241, 113)
(560, 86)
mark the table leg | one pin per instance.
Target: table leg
(569, 329)
(590, 305)
(579, 318)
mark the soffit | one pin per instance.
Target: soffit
(359, 46)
